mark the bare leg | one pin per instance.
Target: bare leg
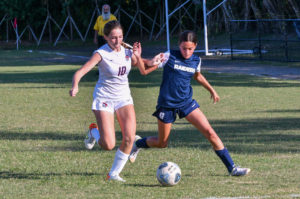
(161, 141)
(105, 121)
(127, 121)
(199, 120)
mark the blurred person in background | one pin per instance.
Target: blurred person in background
(105, 17)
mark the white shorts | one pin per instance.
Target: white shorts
(110, 106)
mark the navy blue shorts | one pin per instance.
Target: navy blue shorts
(168, 115)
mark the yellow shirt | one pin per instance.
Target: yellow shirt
(99, 25)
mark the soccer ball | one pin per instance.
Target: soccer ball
(168, 174)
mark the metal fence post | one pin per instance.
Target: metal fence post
(259, 39)
(286, 42)
(230, 33)
(7, 31)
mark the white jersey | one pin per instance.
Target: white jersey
(113, 68)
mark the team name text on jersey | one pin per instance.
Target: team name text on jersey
(184, 68)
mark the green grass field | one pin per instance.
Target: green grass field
(42, 154)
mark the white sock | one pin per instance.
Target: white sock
(119, 163)
(95, 133)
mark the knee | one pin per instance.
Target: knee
(128, 140)
(211, 134)
(107, 146)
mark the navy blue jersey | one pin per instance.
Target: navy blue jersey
(175, 89)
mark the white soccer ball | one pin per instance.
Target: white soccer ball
(168, 174)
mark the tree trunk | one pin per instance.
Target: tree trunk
(50, 30)
(228, 15)
(271, 9)
(246, 14)
(195, 17)
(276, 12)
(257, 15)
(295, 7)
(256, 11)
(29, 35)
(140, 18)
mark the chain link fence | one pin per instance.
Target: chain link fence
(267, 39)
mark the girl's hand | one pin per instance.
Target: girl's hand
(137, 49)
(215, 97)
(73, 92)
(158, 59)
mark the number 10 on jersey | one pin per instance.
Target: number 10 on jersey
(122, 70)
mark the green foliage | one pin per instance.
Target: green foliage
(34, 12)
(23, 10)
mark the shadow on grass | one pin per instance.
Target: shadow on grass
(75, 145)
(21, 58)
(8, 135)
(143, 185)
(229, 80)
(36, 61)
(37, 176)
(283, 111)
(62, 76)
(241, 136)
(222, 80)
(250, 136)
(139, 81)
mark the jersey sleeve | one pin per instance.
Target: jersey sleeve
(98, 51)
(166, 58)
(199, 66)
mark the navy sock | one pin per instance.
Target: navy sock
(141, 143)
(226, 159)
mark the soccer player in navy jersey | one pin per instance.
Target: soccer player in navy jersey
(175, 98)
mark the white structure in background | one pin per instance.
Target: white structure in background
(205, 14)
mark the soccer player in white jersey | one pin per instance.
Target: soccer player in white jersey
(112, 95)
(176, 98)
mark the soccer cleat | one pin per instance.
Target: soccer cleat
(237, 171)
(115, 178)
(90, 141)
(135, 150)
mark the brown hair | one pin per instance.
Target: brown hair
(188, 35)
(109, 26)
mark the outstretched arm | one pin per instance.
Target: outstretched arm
(145, 66)
(202, 80)
(82, 71)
